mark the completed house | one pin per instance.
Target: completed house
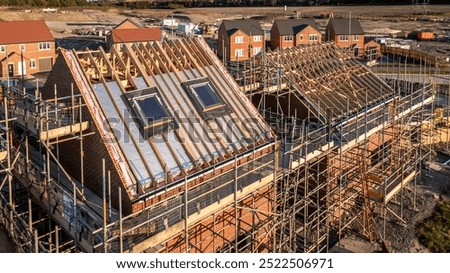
(26, 47)
(128, 32)
(346, 33)
(293, 32)
(239, 40)
(128, 24)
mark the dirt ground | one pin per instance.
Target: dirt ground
(58, 21)
(400, 237)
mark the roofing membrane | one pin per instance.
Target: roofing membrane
(192, 140)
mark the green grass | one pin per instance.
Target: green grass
(434, 233)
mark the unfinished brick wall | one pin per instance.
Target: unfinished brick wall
(218, 231)
(94, 148)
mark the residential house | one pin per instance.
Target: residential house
(239, 40)
(170, 129)
(26, 47)
(372, 49)
(119, 37)
(128, 32)
(293, 32)
(128, 24)
(346, 33)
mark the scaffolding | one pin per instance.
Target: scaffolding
(40, 200)
(352, 158)
(348, 153)
(225, 205)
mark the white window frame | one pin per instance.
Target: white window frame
(313, 37)
(22, 47)
(256, 50)
(288, 38)
(343, 38)
(44, 46)
(239, 39)
(239, 53)
(355, 37)
(33, 64)
(257, 38)
(2, 48)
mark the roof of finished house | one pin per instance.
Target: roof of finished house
(122, 25)
(18, 32)
(248, 26)
(170, 118)
(294, 26)
(136, 35)
(347, 26)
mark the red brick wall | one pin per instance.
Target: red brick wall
(373, 44)
(286, 44)
(351, 41)
(277, 40)
(126, 25)
(306, 32)
(424, 36)
(330, 35)
(231, 46)
(31, 52)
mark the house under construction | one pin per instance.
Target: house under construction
(156, 148)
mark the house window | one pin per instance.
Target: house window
(256, 50)
(205, 98)
(343, 37)
(150, 111)
(22, 47)
(2, 48)
(32, 63)
(151, 108)
(288, 38)
(239, 39)
(239, 53)
(355, 37)
(301, 37)
(44, 46)
(205, 95)
(257, 38)
(313, 37)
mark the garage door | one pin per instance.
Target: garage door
(45, 64)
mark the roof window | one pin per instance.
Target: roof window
(150, 110)
(205, 97)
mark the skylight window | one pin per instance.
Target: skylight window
(205, 97)
(149, 109)
(205, 94)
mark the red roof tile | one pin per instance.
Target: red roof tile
(14, 32)
(136, 35)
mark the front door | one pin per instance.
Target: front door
(356, 51)
(11, 70)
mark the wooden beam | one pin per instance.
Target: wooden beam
(63, 131)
